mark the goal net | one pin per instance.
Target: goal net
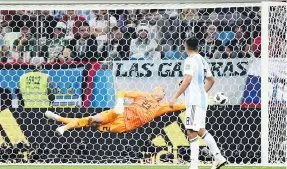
(92, 51)
(277, 48)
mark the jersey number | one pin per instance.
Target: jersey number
(33, 80)
(146, 105)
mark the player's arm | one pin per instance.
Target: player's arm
(188, 73)
(209, 83)
(209, 79)
(186, 81)
(165, 108)
(119, 108)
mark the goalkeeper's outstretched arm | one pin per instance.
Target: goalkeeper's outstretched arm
(165, 108)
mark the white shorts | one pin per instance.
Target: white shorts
(195, 118)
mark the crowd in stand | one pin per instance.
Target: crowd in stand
(101, 35)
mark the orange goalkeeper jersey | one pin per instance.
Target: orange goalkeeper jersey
(144, 108)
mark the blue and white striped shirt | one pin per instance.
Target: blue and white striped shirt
(196, 66)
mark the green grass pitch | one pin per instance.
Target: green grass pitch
(125, 167)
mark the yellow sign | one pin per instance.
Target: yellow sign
(177, 138)
(11, 128)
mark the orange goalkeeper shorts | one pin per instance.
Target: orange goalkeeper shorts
(112, 122)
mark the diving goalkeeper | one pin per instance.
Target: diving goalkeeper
(143, 109)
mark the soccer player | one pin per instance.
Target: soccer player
(196, 72)
(144, 108)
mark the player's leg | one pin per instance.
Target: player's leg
(72, 123)
(192, 129)
(118, 125)
(104, 117)
(208, 139)
(94, 121)
(210, 142)
(91, 121)
(58, 118)
(194, 147)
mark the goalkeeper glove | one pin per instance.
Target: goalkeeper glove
(211, 100)
(119, 108)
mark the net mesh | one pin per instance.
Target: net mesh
(91, 54)
(277, 81)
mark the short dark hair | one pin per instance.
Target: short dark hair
(62, 30)
(34, 68)
(239, 27)
(192, 43)
(25, 27)
(115, 29)
(84, 24)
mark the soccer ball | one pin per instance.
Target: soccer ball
(220, 98)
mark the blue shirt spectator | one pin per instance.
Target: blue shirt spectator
(172, 54)
(88, 14)
(58, 14)
(184, 56)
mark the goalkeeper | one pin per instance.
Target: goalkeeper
(143, 109)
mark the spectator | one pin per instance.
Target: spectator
(73, 22)
(24, 47)
(101, 24)
(119, 47)
(46, 23)
(85, 48)
(171, 14)
(227, 53)
(172, 54)
(5, 18)
(257, 45)
(189, 14)
(157, 25)
(2, 40)
(128, 22)
(4, 53)
(238, 46)
(21, 19)
(210, 46)
(55, 49)
(4, 49)
(161, 29)
(88, 14)
(58, 14)
(143, 47)
(189, 23)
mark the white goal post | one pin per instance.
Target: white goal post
(273, 135)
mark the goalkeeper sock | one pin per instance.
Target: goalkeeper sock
(194, 152)
(210, 142)
(78, 123)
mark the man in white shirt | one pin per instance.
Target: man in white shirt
(100, 24)
(143, 48)
(196, 72)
